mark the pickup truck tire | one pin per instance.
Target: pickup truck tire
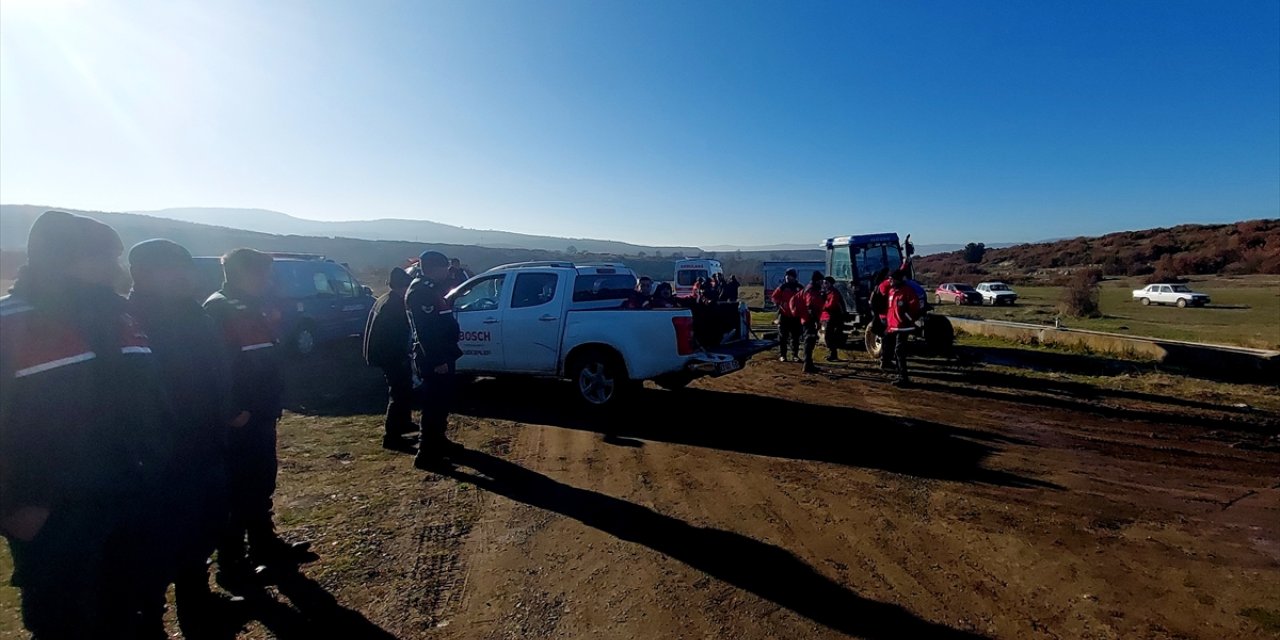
(1146, 302)
(599, 378)
(1182, 303)
(303, 340)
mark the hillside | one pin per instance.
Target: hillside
(274, 222)
(1249, 247)
(371, 258)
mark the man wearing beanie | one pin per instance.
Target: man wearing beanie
(387, 344)
(83, 435)
(239, 311)
(196, 377)
(435, 352)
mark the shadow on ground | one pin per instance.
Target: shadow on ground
(768, 571)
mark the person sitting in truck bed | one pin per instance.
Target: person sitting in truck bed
(639, 298)
(662, 298)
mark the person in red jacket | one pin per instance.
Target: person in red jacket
(807, 306)
(904, 316)
(832, 320)
(788, 326)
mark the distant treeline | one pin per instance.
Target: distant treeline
(1242, 248)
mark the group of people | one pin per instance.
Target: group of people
(716, 289)
(805, 312)
(137, 435)
(412, 336)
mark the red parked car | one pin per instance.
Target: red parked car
(957, 293)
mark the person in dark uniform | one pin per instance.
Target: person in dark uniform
(788, 325)
(387, 344)
(239, 312)
(435, 352)
(197, 380)
(730, 293)
(457, 275)
(84, 434)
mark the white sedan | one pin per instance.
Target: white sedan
(1176, 294)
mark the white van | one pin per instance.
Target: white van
(690, 269)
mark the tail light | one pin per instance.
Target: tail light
(684, 335)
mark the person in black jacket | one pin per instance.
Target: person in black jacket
(84, 434)
(435, 352)
(240, 313)
(196, 376)
(387, 344)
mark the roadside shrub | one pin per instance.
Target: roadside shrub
(1080, 297)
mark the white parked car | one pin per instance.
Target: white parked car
(560, 320)
(994, 293)
(1178, 294)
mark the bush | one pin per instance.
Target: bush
(1080, 297)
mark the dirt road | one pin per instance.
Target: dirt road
(769, 504)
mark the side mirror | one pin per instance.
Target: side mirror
(366, 291)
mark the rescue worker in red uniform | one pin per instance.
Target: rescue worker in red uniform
(833, 316)
(387, 345)
(240, 313)
(904, 316)
(807, 306)
(197, 379)
(435, 354)
(788, 325)
(84, 437)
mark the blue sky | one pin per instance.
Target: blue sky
(743, 122)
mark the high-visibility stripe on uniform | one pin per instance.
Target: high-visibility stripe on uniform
(135, 350)
(55, 364)
(255, 347)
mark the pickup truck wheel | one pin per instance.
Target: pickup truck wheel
(872, 342)
(1146, 302)
(1182, 303)
(599, 379)
(303, 341)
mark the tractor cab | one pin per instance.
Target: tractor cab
(860, 263)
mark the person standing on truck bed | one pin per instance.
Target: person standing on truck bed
(807, 306)
(387, 345)
(85, 431)
(197, 378)
(788, 325)
(730, 293)
(435, 355)
(240, 313)
(904, 316)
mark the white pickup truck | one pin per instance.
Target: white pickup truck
(558, 319)
(1178, 294)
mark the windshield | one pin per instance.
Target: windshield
(999, 287)
(872, 260)
(687, 277)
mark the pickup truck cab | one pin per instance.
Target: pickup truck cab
(1176, 294)
(561, 320)
(996, 293)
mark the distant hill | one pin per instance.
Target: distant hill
(1248, 247)
(921, 249)
(274, 222)
(370, 258)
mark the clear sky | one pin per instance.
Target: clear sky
(750, 122)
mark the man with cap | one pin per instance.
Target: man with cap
(196, 376)
(904, 315)
(833, 315)
(788, 324)
(240, 313)
(84, 434)
(387, 345)
(435, 352)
